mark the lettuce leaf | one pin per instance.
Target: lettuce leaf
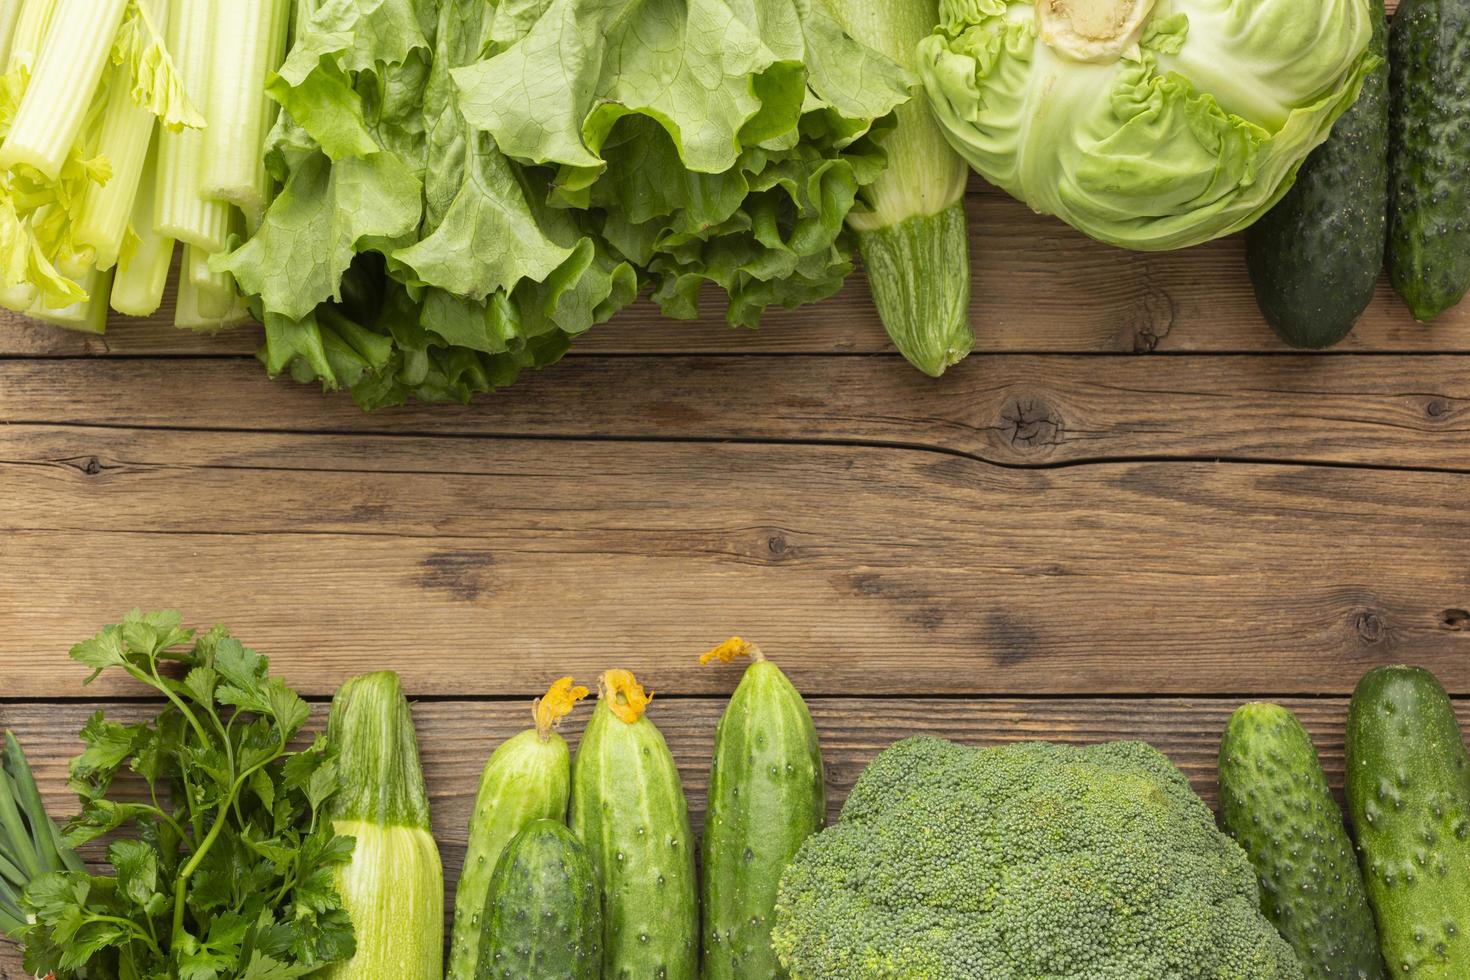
(468, 187)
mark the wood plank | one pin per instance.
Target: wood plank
(1011, 409)
(1039, 287)
(456, 737)
(479, 567)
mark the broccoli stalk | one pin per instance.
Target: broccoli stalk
(912, 235)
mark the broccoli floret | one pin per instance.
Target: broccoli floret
(1027, 862)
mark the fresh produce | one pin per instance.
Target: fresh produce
(224, 868)
(767, 795)
(30, 844)
(1148, 127)
(1028, 860)
(1429, 155)
(910, 224)
(628, 808)
(528, 778)
(468, 187)
(1408, 791)
(393, 885)
(1275, 802)
(543, 916)
(107, 156)
(1315, 257)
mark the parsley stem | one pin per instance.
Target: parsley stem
(132, 927)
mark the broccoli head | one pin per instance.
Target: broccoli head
(1026, 862)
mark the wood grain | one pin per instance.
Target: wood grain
(1039, 287)
(481, 566)
(456, 737)
(1022, 410)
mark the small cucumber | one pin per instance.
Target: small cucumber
(1275, 802)
(628, 808)
(1429, 154)
(542, 916)
(1408, 790)
(766, 796)
(1315, 257)
(529, 777)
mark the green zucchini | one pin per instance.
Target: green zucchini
(1408, 790)
(1275, 802)
(542, 918)
(766, 796)
(628, 808)
(528, 777)
(1315, 257)
(1429, 154)
(393, 885)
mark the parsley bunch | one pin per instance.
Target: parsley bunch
(221, 865)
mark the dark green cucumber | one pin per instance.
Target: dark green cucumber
(766, 796)
(1315, 257)
(1408, 790)
(628, 808)
(1429, 154)
(542, 917)
(1275, 802)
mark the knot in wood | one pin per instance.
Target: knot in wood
(1153, 319)
(1437, 408)
(1369, 626)
(1029, 424)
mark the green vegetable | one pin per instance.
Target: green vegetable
(1408, 791)
(1275, 802)
(469, 187)
(628, 808)
(223, 868)
(1148, 127)
(542, 913)
(30, 844)
(1315, 257)
(393, 886)
(83, 85)
(528, 778)
(1429, 150)
(1028, 860)
(911, 226)
(767, 795)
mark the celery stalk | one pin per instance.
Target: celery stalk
(250, 43)
(216, 291)
(205, 310)
(183, 212)
(127, 131)
(9, 17)
(88, 316)
(142, 269)
(77, 49)
(30, 31)
(18, 298)
(913, 236)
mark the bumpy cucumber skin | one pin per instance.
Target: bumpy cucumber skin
(1429, 146)
(767, 794)
(1275, 802)
(527, 778)
(628, 808)
(1315, 257)
(542, 914)
(1408, 790)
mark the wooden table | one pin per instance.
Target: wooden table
(1129, 511)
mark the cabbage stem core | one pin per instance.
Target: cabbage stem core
(1092, 30)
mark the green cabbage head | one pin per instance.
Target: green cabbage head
(1150, 124)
